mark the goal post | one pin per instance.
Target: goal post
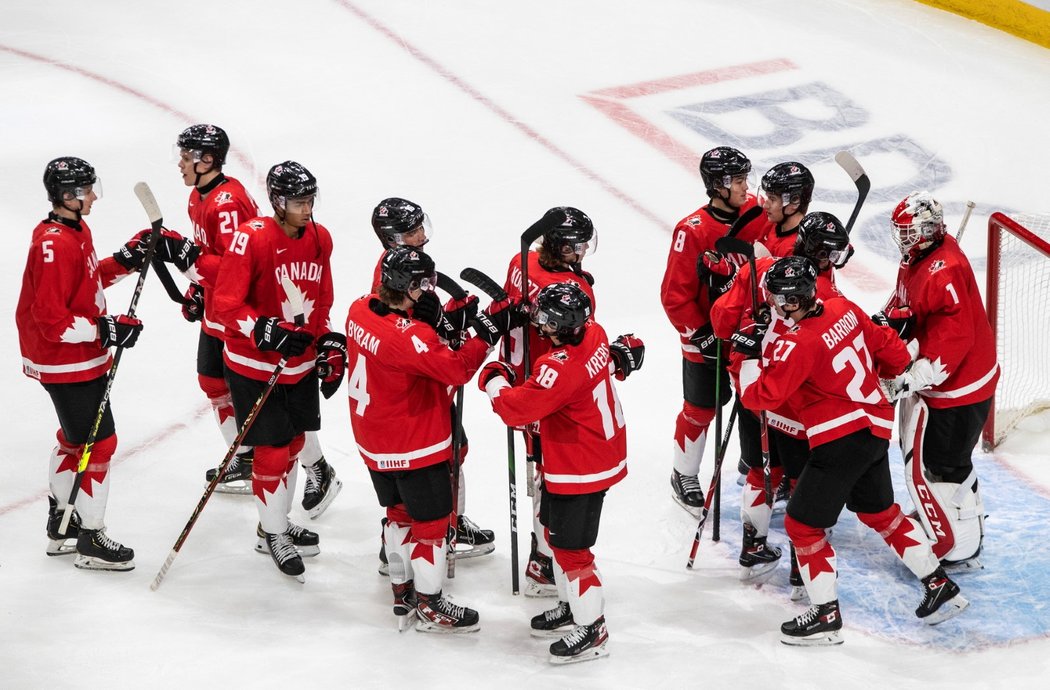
(1018, 300)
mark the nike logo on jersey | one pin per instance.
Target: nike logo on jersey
(282, 251)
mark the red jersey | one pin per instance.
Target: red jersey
(61, 298)
(539, 278)
(572, 395)
(780, 243)
(215, 215)
(950, 324)
(684, 297)
(829, 364)
(249, 286)
(400, 381)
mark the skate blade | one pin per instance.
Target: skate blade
(474, 551)
(823, 639)
(304, 551)
(236, 488)
(333, 490)
(92, 563)
(556, 633)
(696, 512)
(430, 627)
(758, 574)
(61, 547)
(404, 623)
(538, 590)
(798, 593)
(586, 655)
(949, 609)
(384, 569)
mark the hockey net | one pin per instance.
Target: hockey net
(1018, 297)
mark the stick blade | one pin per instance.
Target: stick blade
(295, 300)
(850, 164)
(149, 203)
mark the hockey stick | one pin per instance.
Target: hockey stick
(716, 485)
(711, 490)
(965, 219)
(493, 289)
(743, 220)
(856, 172)
(295, 301)
(169, 284)
(149, 203)
(457, 293)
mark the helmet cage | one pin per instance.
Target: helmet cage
(917, 221)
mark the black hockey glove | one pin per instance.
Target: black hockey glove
(459, 312)
(273, 335)
(175, 249)
(705, 341)
(133, 254)
(427, 309)
(900, 319)
(716, 273)
(748, 340)
(119, 330)
(495, 321)
(193, 309)
(331, 362)
(628, 353)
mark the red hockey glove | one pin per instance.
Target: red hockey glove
(493, 323)
(627, 353)
(495, 369)
(132, 255)
(331, 362)
(193, 310)
(459, 312)
(900, 319)
(273, 335)
(715, 271)
(119, 330)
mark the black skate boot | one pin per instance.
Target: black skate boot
(238, 476)
(322, 486)
(57, 544)
(798, 587)
(471, 540)
(96, 551)
(285, 555)
(584, 643)
(404, 603)
(820, 625)
(438, 615)
(539, 574)
(384, 565)
(306, 542)
(941, 599)
(685, 490)
(757, 558)
(554, 623)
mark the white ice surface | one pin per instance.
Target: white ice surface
(474, 110)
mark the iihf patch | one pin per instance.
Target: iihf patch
(937, 265)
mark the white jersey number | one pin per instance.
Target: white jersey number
(357, 386)
(850, 357)
(612, 416)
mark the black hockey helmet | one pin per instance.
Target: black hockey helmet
(564, 307)
(289, 180)
(205, 139)
(394, 217)
(792, 181)
(407, 268)
(720, 165)
(68, 174)
(823, 237)
(574, 229)
(792, 281)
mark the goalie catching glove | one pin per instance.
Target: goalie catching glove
(628, 353)
(331, 362)
(273, 335)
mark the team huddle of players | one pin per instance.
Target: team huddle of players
(814, 379)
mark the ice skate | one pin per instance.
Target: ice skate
(820, 625)
(96, 551)
(961, 566)
(404, 604)
(306, 542)
(556, 622)
(781, 496)
(758, 560)
(238, 476)
(471, 540)
(685, 490)
(941, 599)
(59, 542)
(798, 587)
(584, 643)
(438, 615)
(539, 574)
(322, 486)
(384, 566)
(285, 556)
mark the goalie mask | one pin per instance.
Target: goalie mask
(398, 222)
(918, 224)
(823, 240)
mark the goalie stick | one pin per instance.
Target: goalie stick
(965, 219)
(295, 302)
(156, 219)
(856, 172)
(493, 289)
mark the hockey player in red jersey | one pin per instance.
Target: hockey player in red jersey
(687, 303)
(65, 332)
(568, 239)
(217, 206)
(399, 222)
(400, 391)
(251, 301)
(787, 189)
(947, 392)
(830, 362)
(584, 437)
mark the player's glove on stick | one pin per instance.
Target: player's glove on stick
(495, 321)
(748, 340)
(118, 331)
(704, 339)
(459, 312)
(715, 271)
(193, 309)
(331, 362)
(427, 309)
(273, 335)
(628, 353)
